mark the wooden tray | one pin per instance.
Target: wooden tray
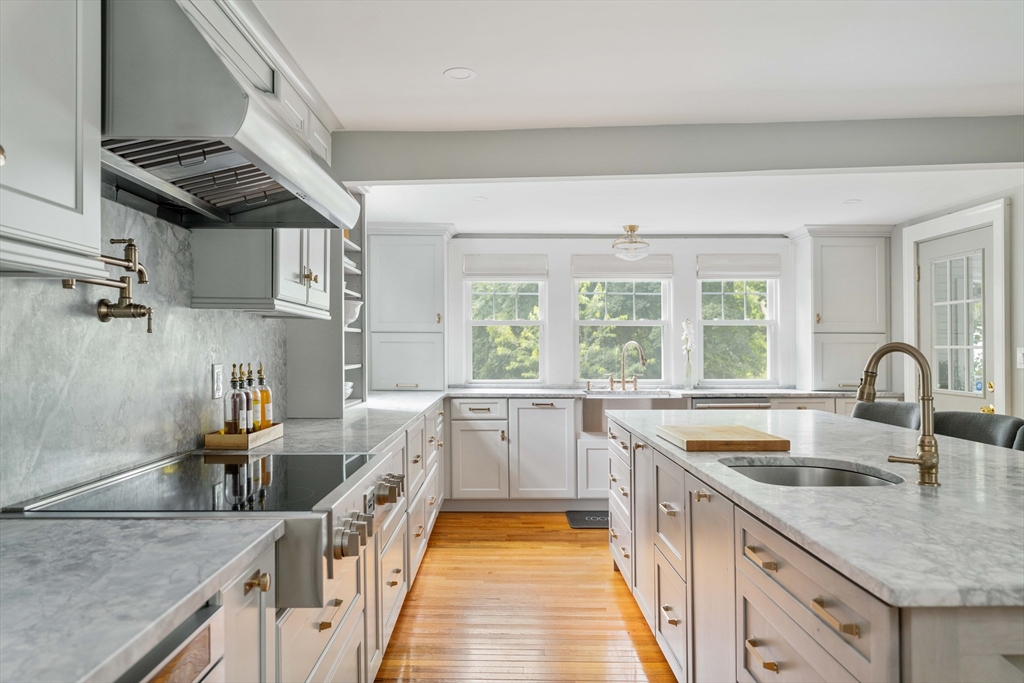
(721, 438)
(243, 442)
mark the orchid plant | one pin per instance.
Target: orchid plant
(687, 338)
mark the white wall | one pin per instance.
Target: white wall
(559, 350)
(1015, 286)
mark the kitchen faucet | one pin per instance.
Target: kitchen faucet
(124, 308)
(927, 459)
(643, 364)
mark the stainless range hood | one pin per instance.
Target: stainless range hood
(192, 119)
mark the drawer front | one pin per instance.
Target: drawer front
(417, 533)
(827, 405)
(434, 433)
(670, 620)
(619, 442)
(853, 626)
(337, 663)
(479, 409)
(620, 541)
(619, 488)
(415, 465)
(432, 498)
(393, 580)
(305, 633)
(771, 647)
(670, 516)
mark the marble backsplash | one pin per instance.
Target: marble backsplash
(80, 399)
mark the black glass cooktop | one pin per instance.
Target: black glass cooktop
(277, 483)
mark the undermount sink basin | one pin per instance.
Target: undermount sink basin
(790, 474)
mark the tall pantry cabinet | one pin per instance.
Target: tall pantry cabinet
(842, 303)
(406, 309)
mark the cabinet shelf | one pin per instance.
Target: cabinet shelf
(354, 366)
(350, 268)
(353, 402)
(353, 329)
(353, 295)
(351, 246)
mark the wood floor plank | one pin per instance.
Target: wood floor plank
(520, 597)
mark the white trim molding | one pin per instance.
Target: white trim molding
(840, 231)
(445, 229)
(997, 215)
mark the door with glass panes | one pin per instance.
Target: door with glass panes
(955, 318)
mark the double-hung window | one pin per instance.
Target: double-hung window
(506, 329)
(611, 313)
(738, 330)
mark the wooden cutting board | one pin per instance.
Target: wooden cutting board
(721, 438)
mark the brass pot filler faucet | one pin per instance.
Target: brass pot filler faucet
(124, 308)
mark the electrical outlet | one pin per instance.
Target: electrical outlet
(1020, 357)
(217, 381)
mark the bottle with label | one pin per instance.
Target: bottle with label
(247, 428)
(234, 407)
(266, 399)
(257, 414)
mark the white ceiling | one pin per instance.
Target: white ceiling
(763, 204)
(567, 64)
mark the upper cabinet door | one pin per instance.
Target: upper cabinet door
(290, 264)
(406, 283)
(851, 276)
(50, 60)
(318, 261)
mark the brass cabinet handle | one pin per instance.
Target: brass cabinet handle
(751, 553)
(420, 532)
(440, 413)
(625, 553)
(323, 625)
(440, 444)
(817, 318)
(801, 407)
(431, 500)
(416, 461)
(818, 607)
(752, 649)
(612, 477)
(392, 583)
(543, 405)
(397, 571)
(666, 609)
(257, 580)
(430, 440)
(612, 435)
(439, 318)
(845, 385)
(407, 385)
(503, 435)
(698, 496)
(667, 510)
(989, 409)
(638, 446)
(624, 492)
(479, 410)
(622, 444)
(611, 529)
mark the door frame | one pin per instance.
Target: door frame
(997, 215)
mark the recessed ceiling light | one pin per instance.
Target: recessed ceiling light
(460, 73)
(479, 198)
(852, 201)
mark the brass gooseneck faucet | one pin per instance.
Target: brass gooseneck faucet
(124, 308)
(927, 459)
(643, 363)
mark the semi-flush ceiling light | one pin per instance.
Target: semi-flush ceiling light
(629, 247)
(460, 73)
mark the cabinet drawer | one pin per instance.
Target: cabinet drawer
(670, 620)
(771, 647)
(479, 409)
(417, 533)
(415, 466)
(670, 515)
(619, 488)
(341, 661)
(620, 541)
(827, 405)
(393, 580)
(854, 627)
(432, 498)
(618, 442)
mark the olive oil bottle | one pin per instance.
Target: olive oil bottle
(247, 425)
(234, 407)
(266, 400)
(257, 414)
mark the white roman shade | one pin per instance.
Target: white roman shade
(738, 266)
(480, 266)
(595, 266)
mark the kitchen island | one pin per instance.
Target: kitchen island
(908, 581)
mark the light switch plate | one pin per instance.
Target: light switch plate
(217, 380)
(1020, 357)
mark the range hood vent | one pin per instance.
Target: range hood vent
(184, 125)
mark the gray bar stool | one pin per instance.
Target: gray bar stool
(1018, 443)
(995, 430)
(896, 413)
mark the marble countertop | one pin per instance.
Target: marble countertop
(961, 544)
(84, 599)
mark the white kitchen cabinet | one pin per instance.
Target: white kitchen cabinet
(644, 506)
(851, 284)
(406, 361)
(415, 462)
(319, 138)
(826, 405)
(347, 653)
(838, 361)
(250, 647)
(394, 583)
(711, 583)
(50, 94)
(479, 458)
(407, 283)
(541, 448)
(592, 466)
(276, 273)
(670, 625)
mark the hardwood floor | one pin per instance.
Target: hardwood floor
(520, 597)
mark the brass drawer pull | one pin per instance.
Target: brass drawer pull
(416, 461)
(543, 405)
(257, 580)
(431, 500)
(503, 437)
(392, 584)
(622, 444)
(406, 385)
(612, 435)
(625, 553)
(430, 440)
(698, 496)
(612, 477)
(752, 649)
(479, 410)
(751, 554)
(667, 510)
(666, 609)
(611, 530)
(638, 446)
(624, 492)
(818, 606)
(420, 532)
(323, 625)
